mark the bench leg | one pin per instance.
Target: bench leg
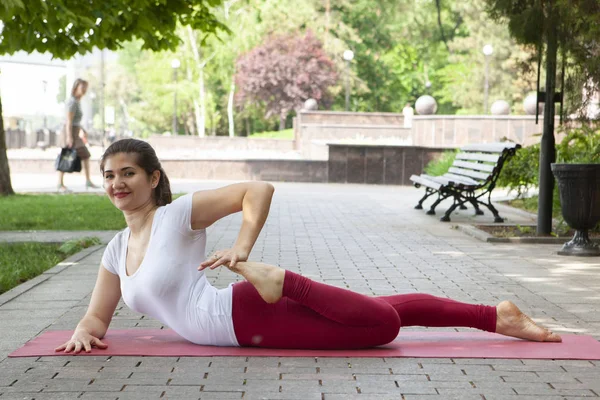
(446, 217)
(462, 207)
(476, 207)
(428, 192)
(497, 217)
(441, 198)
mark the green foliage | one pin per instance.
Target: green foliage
(577, 27)
(520, 173)
(442, 164)
(79, 26)
(580, 146)
(525, 18)
(20, 262)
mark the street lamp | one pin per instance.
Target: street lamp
(348, 56)
(45, 86)
(487, 52)
(175, 64)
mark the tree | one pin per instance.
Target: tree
(283, 73)
(63, 31)
(460, 79)
(572, 26)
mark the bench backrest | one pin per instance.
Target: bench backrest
(480, 164)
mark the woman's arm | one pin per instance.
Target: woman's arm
(69, 128)
(105, 298)
(94, 324)
(252, 198)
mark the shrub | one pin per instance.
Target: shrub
(520, 173)
(442, 164)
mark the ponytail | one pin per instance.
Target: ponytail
(162, 192)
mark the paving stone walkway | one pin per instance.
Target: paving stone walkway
(366, 238)
(53, 236)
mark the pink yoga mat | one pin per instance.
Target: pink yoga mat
(166, 343)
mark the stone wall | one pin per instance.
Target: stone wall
(315, 129)
(391, 165)
(237, 170)
(456, 130)
(266, 170)
(388, 165)
(220, 143)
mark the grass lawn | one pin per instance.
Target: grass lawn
(284, 134)
(67, 212)
(20, 262)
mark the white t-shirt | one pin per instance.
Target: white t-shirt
(167, 285)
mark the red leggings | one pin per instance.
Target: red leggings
(314, 315)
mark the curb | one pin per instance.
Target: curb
(473, 232)
(44, 276)
(28, 236)
(486, 237)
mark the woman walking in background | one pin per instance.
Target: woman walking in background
(72, 135)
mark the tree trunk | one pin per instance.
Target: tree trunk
(5, 184)
(282, 122)
(200, 105)
(202, 94)
(327, 14)
(547, 145)
(230, 108)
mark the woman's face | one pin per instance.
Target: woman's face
(81, 90)
(127, 185)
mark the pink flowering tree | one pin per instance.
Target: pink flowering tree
(284, 72)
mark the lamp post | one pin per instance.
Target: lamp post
(45, 86)
(348, 56)
(487, 52)
(175, 64)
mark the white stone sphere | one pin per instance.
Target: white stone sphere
(500, 107)
(311, 105)
(529, 105)
(426, 105)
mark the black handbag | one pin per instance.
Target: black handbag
(68, 161)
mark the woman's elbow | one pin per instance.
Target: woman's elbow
(268, 187)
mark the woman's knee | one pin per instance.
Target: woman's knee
(390, 327)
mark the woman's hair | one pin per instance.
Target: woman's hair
(76, 84)
(146, 158)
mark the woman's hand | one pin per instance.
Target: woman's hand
(222, 257)
(81, 340)
(70, 143)
(83, 135)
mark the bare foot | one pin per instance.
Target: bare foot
(512, 322)
(267, 279)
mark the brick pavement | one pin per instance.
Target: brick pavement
(366, 238)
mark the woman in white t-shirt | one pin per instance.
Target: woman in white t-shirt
(156, 264)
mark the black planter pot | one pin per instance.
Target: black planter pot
(579, 187)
